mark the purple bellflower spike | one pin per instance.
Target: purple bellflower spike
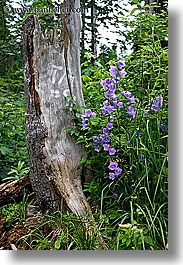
(128, 142)
(121, 64)
(131, 111)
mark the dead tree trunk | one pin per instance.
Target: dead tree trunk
(52, 72)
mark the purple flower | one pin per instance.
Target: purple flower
(128, 142)
(106, 83)
(85, 126)
(93, 115)
(113, 165)
(131, 111)
(132, 100)
(110, 94)
(122, 73)
(114, 102)
(163, 127)
(120, 105)
(112, 176)
(111, 119)
(126, 94)
(112, 151)
(88, 112)
(105, 138)
(137, 133)
(96, 139)
(118, 171)
(105, 103)
(113, 71)
(105, 131)
(121, 64)
(142, 157)
(116, 80)
(96, 147)
(110, 109)
(146, 112)
(104, 111)
(106, 147)
(84, 121)
(154, 107)
(109, 126)
(84, 118)
(108, 80)
(158, 103)
(115, 194)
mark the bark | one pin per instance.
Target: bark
(51, 73)
(13, 191)
(93, 29)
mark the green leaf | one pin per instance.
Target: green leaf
(5, 150)
(133, 10)
(57, 244)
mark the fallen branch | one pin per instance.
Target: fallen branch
(13, 191)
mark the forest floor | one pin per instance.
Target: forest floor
(10, 234)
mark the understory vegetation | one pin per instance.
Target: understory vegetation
(124, 128)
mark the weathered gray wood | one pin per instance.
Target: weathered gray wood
(52, 72)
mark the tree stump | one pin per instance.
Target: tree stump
(51, 73)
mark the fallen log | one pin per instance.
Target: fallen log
(13, 191)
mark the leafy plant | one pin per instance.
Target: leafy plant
(17, 172)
